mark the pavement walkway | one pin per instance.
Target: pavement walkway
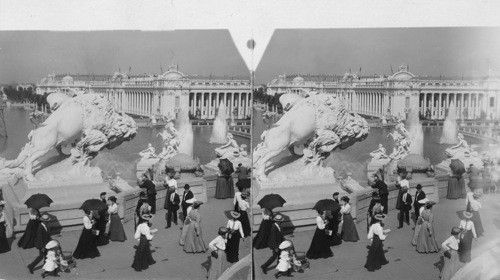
(116, 257)
(404, 261)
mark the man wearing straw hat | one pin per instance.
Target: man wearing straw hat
(274, 241)
(41, 239)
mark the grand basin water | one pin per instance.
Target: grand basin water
(355, 158)
(123, 158)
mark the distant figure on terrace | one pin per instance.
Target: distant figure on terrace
(379, 153)
(149, 152)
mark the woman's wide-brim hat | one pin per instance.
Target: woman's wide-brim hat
(379, 217)
(191, 201)
(52, 244)
(146, 217)
(235, 214)
(44, 218)
(285, 244)
(455, 230)
(278, 218)
(423, 201)
(467, 214)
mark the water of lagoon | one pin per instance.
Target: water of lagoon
(122, 159)
(355, 158)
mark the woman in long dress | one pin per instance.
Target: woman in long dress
(86, 247)
(473, 205)
(235, 233)
(451, 264)
(4, 243)
(468, 232)
(245, 222)
(419, 222)
(376, 257)
(224, 187)
(116, 231)
(194, 238)
(456, 187)
(349, 231)
(426, 240)
(28, 239)
(218, 255)
(320, 247)
(260, 239)
(186, 222)
(143, 257)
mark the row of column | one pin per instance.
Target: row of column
(134, 102)
(469, 105)
(205, 104)
(368, 103)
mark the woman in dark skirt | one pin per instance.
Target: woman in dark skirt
(260, 239)
(235, 233)
(116, 231)
(224, 187)
(456, 187)
(86, 247)
(320, 243)
(245, 222)
(473, 205)
(4, 243)
(349, 231)
(468, 232)
(143, 257)
(28, 239)
(376, 257)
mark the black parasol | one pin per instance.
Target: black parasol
(457, 167)
(327, 205)
(93, 204)
(271, 201)
(38, 201)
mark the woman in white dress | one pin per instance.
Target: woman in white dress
(473, 205)
(218, 255)
(451, 259)
(235, 233)
(468, 232)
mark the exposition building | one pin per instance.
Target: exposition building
(160, 96)
(395, 94)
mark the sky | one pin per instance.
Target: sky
(28, 56)
(427, 51)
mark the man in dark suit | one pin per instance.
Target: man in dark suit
(41, 239)
(150, 191)
(242, 172)
(419, 195)
(172, 206)
(188, 194)
(274, 241)
(404, 212)
(101, 222)
(383, 192)
(333, 222)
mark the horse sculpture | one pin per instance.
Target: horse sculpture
(87, 121)
(320, 122)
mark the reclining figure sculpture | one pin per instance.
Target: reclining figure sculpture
(319, 121)
(87, 121)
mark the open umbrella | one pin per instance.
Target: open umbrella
(271, 201)
(93, 204)
(225, 166)
(327, 205)
(38, 201)
(457, 167)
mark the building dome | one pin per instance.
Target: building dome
(67, 80)
(298, 79)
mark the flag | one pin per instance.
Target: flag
(130, 68)
(359, 69)
(392, 71)
(161, 69)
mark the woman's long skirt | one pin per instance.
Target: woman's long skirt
(418, 225)
(260, 240)
(116, 231)
(194, 242)
(143, 257)
(376, 257)
(476, 219)
(4, 243)
(349, 231)
(245, 223)
(184, 231)
(224, 187)
(216, 265)
(425, 242)
(319, 246)
(28, 239)
(233, 247)
(86, 247)
(456, 188)
(102, 238)
(451, 266)
(465, 247)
